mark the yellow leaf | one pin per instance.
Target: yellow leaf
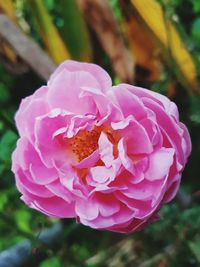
(49, 32)
(152, 14)
(8, 8)
(8, 51)
(142, 46)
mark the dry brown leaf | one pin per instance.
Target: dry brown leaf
(102, 21)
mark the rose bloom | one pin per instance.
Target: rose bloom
(109, 156)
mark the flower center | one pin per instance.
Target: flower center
(85, 143)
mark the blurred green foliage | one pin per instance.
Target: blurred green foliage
(178, 228)
(53, 261)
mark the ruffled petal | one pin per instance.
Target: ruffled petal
(54, 207)
(101, 76)
(30, 108)
(159, 163)
(105, 150)
(137, 139)
(65, 88)
(28, 159)
(86, 209)
(50, 147)
(129, 103)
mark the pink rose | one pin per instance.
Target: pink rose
(109, 156)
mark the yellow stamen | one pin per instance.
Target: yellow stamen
(85, 143)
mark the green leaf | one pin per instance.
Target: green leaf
(116, 10)
(194, 110)
(7, 144)
(195, 248)
(2, 168)
(74, 30)
(196, 6)
(49, 4)
(4, 93)
(53, 262)
(196, 30)
(22, 219)
(3, 200)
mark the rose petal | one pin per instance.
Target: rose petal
(105, 150)
(101, 76)
(65, 88)
(128, 102)
(159, 163)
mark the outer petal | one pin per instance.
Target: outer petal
(169, 126)
(26, 157)
(30, 108)
(187, 145)
(65, 89)
(108, 204)
(54, 207)
(159, 164)
(87, 209)
(169, 106)
(24, 183)
(50, 147)
(122, 216)
(101, 76)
